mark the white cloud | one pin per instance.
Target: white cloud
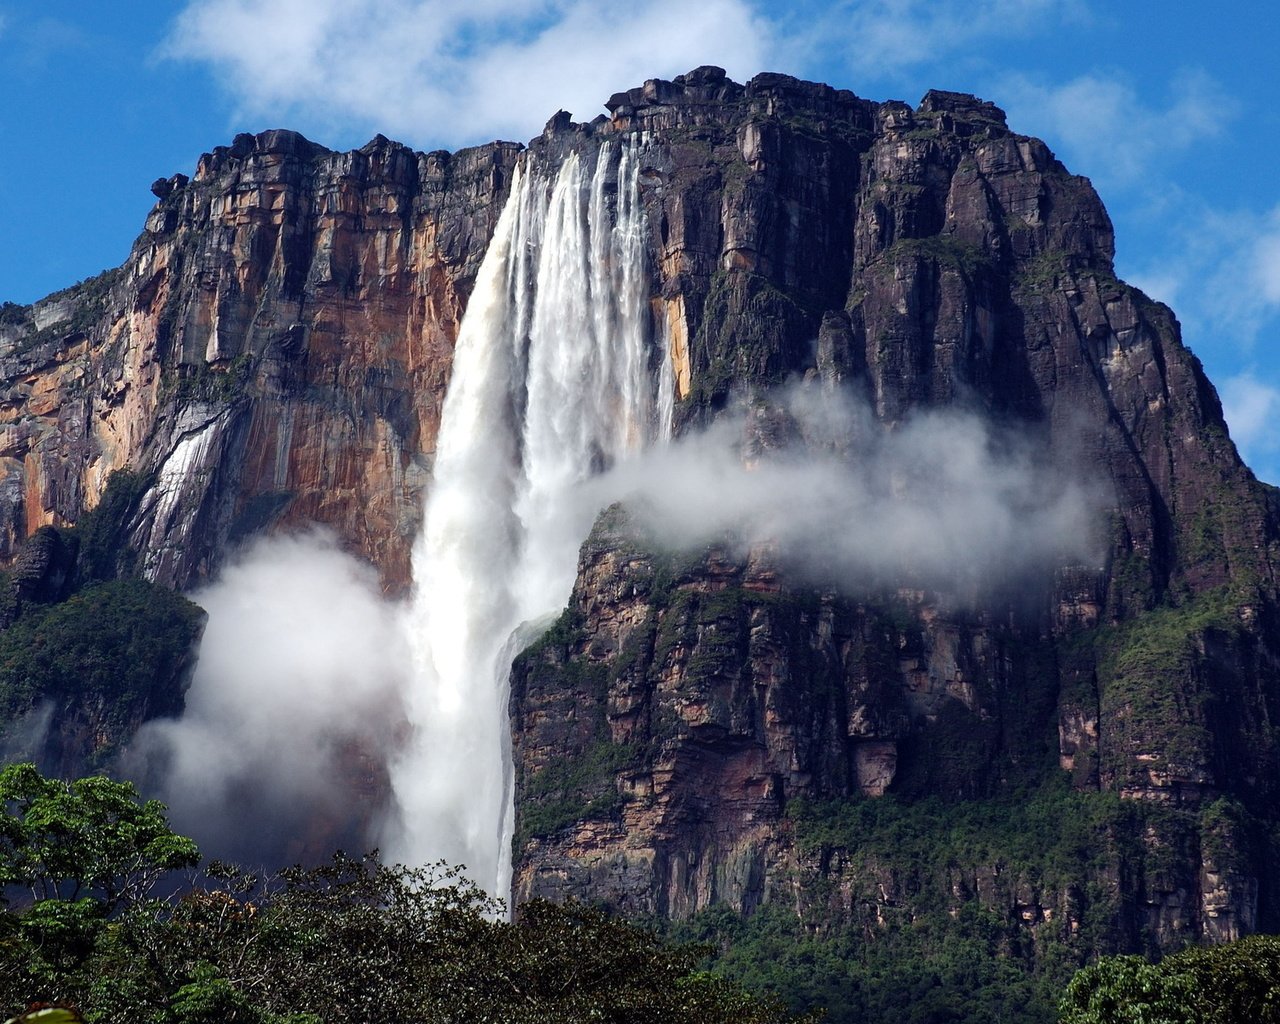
(883, 37)
(1107, 131)
(1266, 260)
(1221, 268)
(450, 72)
(944, 499)
(1252, 410)
(292, 710)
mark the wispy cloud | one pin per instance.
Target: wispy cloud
(37, 43)
(450, 72)
(1252, 409)
(882, 38)
(878, 505)
(1104, 128)
(1265, 261)
(1221, 270)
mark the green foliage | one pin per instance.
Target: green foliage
(1042, 272)
(215, 384)
(572, 790)
(1131, 577)
(61, 839)
(351, 941)
(120, 645)
(210, 999)
(82, 851)
(1163, 640)
(909, 911)
(946, 251)
(13, 315)
(1148, 671)
(114, 653)
(1127, 989)
(923, 970)
(1228, 984)
(88, 304)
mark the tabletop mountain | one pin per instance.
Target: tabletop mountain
(1080, 759)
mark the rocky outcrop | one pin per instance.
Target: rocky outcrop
(681, 714)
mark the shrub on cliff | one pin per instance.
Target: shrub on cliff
(118, 650)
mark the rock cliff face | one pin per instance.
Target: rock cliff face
(664, 728)
(275, 352)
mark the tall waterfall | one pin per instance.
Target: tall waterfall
(554, 377)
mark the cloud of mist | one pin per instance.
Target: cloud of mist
(942, 500)
(1106, 130)
(447, 72)
(1251, 407)
(280, 753)
(23, 738)
(298, 705)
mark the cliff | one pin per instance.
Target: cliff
(704, 728)
(274, 352)
(680, 725)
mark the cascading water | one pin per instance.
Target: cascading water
(553, 379)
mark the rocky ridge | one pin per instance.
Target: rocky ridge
(274, 352)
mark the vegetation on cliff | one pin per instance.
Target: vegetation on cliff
(909, 912)
(88, 651)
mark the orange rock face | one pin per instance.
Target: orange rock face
(275, 352)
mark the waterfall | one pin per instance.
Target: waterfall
(553, 379)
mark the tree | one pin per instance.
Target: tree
(84, 851)
(1226, 984)
(351, 941)
(92, 838)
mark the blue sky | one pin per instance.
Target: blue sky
(1169, 108)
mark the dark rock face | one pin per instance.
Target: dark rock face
(938, 259)
(276, 352)
(42, 573)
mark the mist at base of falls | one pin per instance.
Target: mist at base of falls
(297, 697)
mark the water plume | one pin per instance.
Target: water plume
(556, 376)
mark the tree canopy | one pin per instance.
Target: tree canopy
(1227, 984)
(355, 940)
